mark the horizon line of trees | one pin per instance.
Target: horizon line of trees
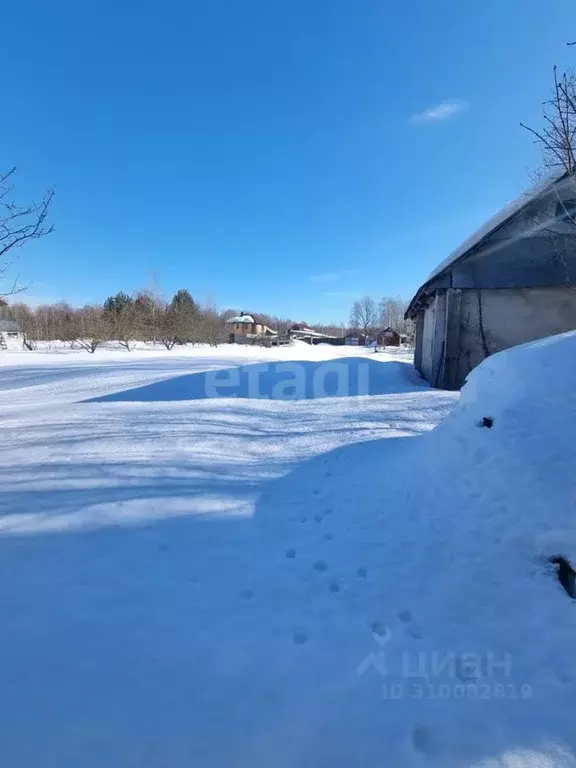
(146, 317)
(124, 318)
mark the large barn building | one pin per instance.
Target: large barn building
(511, 282)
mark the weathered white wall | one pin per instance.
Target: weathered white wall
(432, 338)
(511, 316)
(439, 342)
(426, 364)
(244, 328)
(418, 340)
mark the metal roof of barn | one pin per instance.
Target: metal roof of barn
(481, 235)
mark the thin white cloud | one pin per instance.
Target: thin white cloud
(439, 112)
(331, 277)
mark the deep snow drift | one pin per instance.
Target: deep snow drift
(313, 582)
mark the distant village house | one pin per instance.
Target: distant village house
(302, 332)
(247, 329)
(355, 339)
(388, 338)
(11, 335)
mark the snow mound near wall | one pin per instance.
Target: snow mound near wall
(526, 457)
(476, 514)
(538, 376)
(463, 650)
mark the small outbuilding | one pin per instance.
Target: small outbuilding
(388, 338)
(302, 332)
(11, 335)
(513, 281)
(355, 339)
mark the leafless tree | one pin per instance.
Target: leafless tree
(90, 328)
(279, 324)
(557, 144)
(168, 331)
(392, 314)
(22, 314)
(211, 329)
(331, 329)
(19, 223)
(364, 315)
(556, 139)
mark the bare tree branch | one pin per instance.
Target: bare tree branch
(557, 138)
(557, 142)
(19, 224)
(364, 315)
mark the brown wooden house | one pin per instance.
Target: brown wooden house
(388, 338)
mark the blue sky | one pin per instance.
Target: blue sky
(272, 155)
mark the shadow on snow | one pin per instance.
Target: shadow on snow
(293, 380)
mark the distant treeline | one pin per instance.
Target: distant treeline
(144, 316)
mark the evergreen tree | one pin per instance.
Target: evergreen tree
(183, 317)
(120, 318)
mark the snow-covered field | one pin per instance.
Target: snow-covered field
(276, 577)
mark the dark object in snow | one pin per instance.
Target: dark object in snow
(566, 575)
(487, 421)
